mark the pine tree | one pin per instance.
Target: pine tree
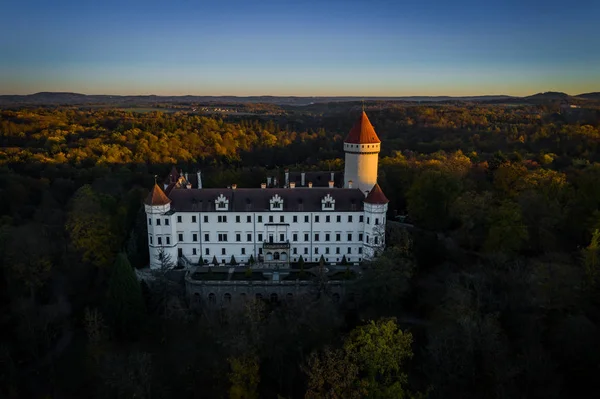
(125, 301)
(301, 266)
(233, 262)
(214, 261)
(251, 261)
(344, 261)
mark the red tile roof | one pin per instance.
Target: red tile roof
(362, 132)
(157, 197)
(376, 196)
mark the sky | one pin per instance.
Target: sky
(300, 48)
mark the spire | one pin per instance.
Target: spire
(376, 196)
(157, 197)
(362, 132)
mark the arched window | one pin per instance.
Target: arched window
(274, 298)
(227, 297)
(276, 256)
(269, 256)
(284, 256)
(212, 299)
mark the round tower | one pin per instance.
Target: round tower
(362, 148)
(160, 234)
(376, 206)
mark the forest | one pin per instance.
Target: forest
(493, 293)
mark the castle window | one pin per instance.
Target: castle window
(360, 237)
(295, 219)
(327, 203)
(349, 236)
(270, 219)
(338, 219)
(327, 250)
(306, 237)
(195, 237)
(316, 250)
(150, 221)
(327, 219)
(222, 237)
(249, 237)
(338, 236)
(178, 219)
(206, 235)
(237, 219)
(376, 240)
(349, 250)
(281, 219)
(305, 251)
(166, 222)
(359, 250)
(206, 251)
(260, 237)
(337, 250)
(259, 219)
(222, 219)
(295, 251)
(295, 237)
(205, 218)
(327, 237)
(194, 219)
(223, 251)
(281, 237)
(306, 219)
(349, 218)
(248, 219)
(316, 218)
(376, 221)
(159, 241)
(243, 251)
(361, 218)
(180, 236)
(158, 222)
(238, 237)
(316, 236)
(150, 239)
(368, 220)
(193, 251)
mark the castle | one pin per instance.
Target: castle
(312, 215)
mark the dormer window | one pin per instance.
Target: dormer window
(328, 203)
(221, 203)
(276, 203)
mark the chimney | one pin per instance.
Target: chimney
(349, 183)
(165, 185)
(287, 177)
(293, 184)
(303, 179)
(233, 186)
(274, 182)
(199, 176)
(186, 177)
(263, 185)
(330, 183)
(188, 186)
(309, 184)
(332, 176)
(269, 180)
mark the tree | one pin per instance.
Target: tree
(214, 260)
(91, 228)
(371, 364)
(344, 261)
(301, 265)
(233, 262)
(125, 300)
(244, 377)
(251, 261)
(430, 197)
(507, 233)
(591, 259)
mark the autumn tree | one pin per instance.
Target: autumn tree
(125, 300)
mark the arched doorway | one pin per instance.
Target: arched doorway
(212, 299)
(276, 256)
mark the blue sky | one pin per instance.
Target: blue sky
(361, 48)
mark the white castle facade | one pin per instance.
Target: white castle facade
(309, 216)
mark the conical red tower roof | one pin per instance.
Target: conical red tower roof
(157, 197)
(376, 196)
(362, 132)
